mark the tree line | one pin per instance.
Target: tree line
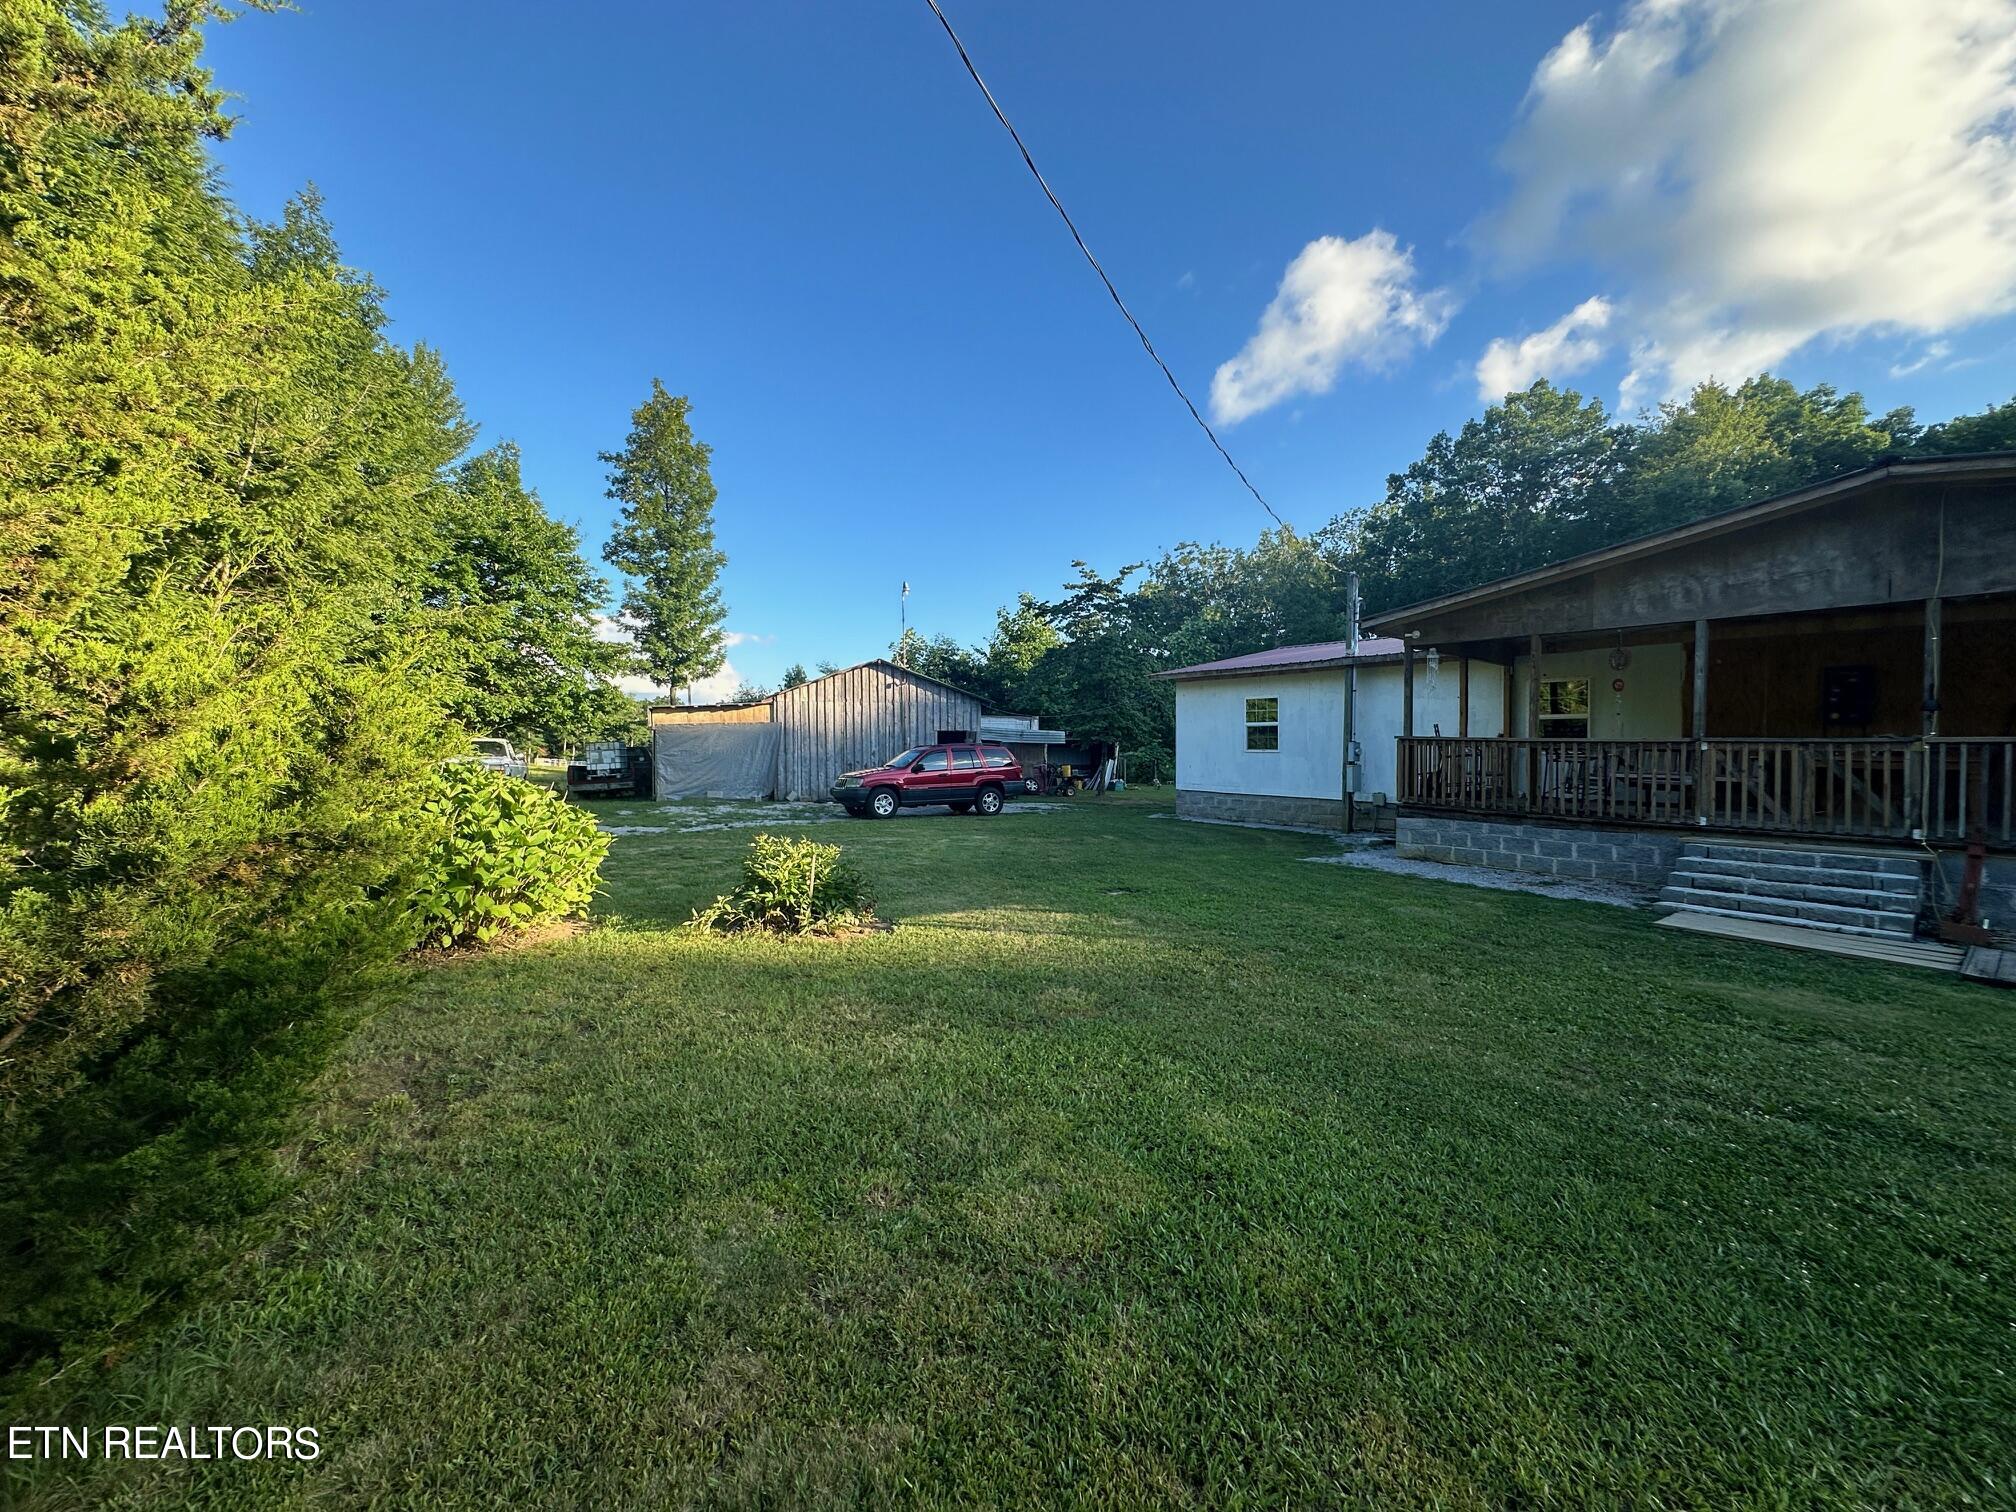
(1545, 474)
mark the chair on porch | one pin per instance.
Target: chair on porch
(1652, 782)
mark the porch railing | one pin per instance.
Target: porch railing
(1933, 789)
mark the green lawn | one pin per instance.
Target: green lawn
(1142, 1163)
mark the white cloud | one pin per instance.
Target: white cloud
(1764, 173)
(1938, 351)
(1339, 301)
(1565, 347)
(716, 689)
(616, 630)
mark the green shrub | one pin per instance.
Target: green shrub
(219, 482)
(792, 887)
(507, 855)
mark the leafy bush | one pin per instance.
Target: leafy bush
(792, 887)
(507, 855)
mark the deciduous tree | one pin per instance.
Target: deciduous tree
(522, 604)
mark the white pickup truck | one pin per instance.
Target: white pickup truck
(499, 755)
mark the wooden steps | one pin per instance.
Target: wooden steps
(1927, 953)
(1987, 964)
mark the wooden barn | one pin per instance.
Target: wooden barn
(793, 744)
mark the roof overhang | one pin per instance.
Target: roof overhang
(1278, 669)
(1986, 468)
(885, 664)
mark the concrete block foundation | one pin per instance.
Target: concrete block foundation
(1634, 858)
(1260, 808)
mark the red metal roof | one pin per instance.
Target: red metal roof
(1297, 658)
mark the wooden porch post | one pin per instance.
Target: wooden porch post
(1700, 679)
(1533, 722)
(1463, 698)
(1702, 774)
(1918, 774)
(1932, 666)
(1533, 688)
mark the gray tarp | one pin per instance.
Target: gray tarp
(714, 760)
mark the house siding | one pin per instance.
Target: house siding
(1653, 704)
(1211, 756)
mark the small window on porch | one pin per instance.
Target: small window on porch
(1564, 708)
(1263, 724)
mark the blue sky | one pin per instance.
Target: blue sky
(803, 216)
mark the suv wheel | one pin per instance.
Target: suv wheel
(883, 804)
(989, 801)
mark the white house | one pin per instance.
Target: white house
(1261, 737)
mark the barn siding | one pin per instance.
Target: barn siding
(860, 718)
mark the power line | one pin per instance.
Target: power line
(1051, 194)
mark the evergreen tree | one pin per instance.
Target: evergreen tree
(219, 689)
(664, 541)
(795, 675)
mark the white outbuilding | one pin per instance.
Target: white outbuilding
(1261, 738)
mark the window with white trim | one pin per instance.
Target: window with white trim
(1263, 724)
(1564, 708)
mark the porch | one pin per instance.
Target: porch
(1933, 789)
(1838, 663)
(1888, 722)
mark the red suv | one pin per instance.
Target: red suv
(966, 777)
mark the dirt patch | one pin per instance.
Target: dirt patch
(1382, 859)
(695, 817)
(518, 939)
